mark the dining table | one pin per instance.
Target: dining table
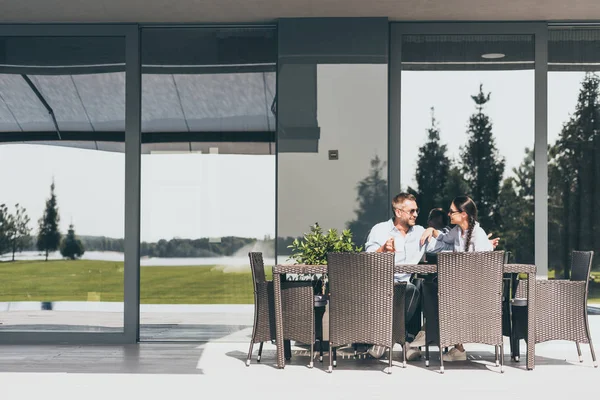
(280, 270)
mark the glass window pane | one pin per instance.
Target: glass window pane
(208, 179)
(339, 109)
(62, 177)
(468, 129)
(574, 149)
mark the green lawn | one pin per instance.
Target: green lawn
(84, 280)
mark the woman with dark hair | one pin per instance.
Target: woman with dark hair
(466, 235)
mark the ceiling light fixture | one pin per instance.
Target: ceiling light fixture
(493, 56)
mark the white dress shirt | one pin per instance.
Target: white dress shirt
(408, 247)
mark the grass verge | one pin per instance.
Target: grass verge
(89, 280)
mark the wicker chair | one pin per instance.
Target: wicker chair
(561, 306)
(470, 300)
(298, 310)
(365, 306)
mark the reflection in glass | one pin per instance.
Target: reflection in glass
(468, 129)
(62, 121)
(574, 149)
(208, 179)
(344, 109)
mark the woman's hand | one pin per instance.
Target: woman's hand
(429, 232)
(494, 241)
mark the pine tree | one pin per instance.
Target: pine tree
(574, 180)
(482, 166)
(71, 247)
(48, 234)
(456, 185)
(433, 168)
(516, 206)
(372, 202)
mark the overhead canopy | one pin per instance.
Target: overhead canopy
(573, 49)
(209, 85)
(198, 86)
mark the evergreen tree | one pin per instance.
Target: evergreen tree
(372, 201)
(482, 166)
(48, 234)
(516, 206)
(71, 247)
(574, 180)
(456, 185)
(19, 231)
(433, 168)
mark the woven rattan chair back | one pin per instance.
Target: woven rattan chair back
(581, 265)
(264, 317)
(470, 297)
(362, 298)
(258, 268)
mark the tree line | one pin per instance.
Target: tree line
(15, 233)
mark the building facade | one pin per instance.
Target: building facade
(169, 151)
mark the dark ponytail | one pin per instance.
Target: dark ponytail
(465, 204)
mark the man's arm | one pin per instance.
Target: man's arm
(375, 242)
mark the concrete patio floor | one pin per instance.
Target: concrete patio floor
(217, 369)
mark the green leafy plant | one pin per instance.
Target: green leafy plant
(312, 249)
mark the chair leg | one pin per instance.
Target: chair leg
(259, 352)
(249, 354)
(441, 361)
(496, 350)
(579, 352)
(330, 369)
(312, 355)
(593, 354)
(426, 354)
(589, 337)
(390, 359)
(502, 358)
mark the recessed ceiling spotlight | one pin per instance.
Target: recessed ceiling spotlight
(493, 56)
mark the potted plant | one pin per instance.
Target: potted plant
(312, 249)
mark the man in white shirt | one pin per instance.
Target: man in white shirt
(402, 236)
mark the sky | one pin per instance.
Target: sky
(510, 109)
(213, 195)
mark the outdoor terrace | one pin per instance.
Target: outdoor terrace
(217, 368)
